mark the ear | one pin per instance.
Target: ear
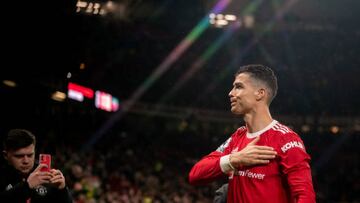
(5, 155)
(260, 94)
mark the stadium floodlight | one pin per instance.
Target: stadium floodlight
(220, 20)
(230, 17)
(58, 96)
(88, 7)
(9, 83)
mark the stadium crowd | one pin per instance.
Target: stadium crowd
(151, 164)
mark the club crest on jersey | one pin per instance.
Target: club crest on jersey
(41, 190)
(290, 145)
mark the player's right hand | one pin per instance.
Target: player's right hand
(38, 177)
(252, 154)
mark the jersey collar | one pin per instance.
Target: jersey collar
(255, 134)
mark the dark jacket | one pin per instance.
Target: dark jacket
(15, 189)
(221, 194)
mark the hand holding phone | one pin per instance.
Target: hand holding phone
(45, 159)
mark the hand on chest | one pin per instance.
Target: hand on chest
(257, 171)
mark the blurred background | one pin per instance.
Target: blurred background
(128, 94)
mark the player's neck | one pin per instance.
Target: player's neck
(258, 119)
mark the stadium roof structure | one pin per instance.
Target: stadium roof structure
(167, 52)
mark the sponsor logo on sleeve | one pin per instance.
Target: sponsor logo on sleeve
(290, 145)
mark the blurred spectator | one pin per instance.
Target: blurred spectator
(23, 181)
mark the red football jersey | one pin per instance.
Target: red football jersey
(286, 179)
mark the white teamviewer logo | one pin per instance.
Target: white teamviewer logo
(290, 145)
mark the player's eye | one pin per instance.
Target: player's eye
(30, 155)
(19, 156)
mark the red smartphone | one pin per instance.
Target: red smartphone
(45, 159)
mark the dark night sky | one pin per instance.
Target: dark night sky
(314, 49)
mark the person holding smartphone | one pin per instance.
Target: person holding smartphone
(21, 180)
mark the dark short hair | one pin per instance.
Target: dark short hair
(17, 139)
(263, 74)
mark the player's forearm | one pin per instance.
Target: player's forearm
(306, 195)
(301, 186)
(206, 170)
